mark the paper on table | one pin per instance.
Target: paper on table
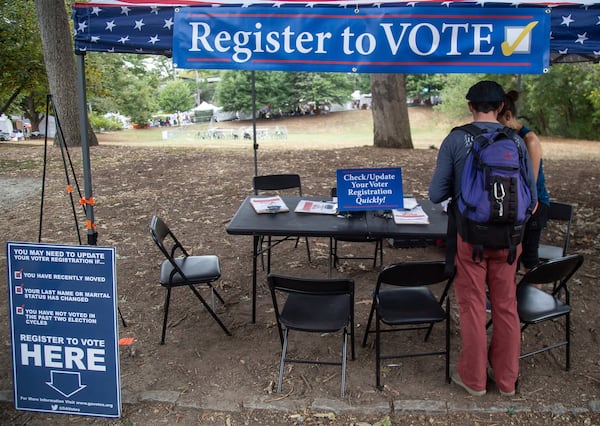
(318, 207)
(415, 216)
(273, 204)
(410, 203)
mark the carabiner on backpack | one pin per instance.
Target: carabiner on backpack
(499, 194)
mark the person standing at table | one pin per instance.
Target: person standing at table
(485, 101)
(537, 222)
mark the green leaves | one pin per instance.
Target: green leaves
(22, 67)
(565, 102)
(175, 96)
(281, 90)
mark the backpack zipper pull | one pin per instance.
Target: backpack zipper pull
(499, 195)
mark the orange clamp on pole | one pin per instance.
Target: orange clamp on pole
(89, 201)
(69, 188)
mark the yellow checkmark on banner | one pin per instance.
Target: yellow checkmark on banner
(509, 48)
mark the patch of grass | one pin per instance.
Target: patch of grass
(348, 128)
(8, 165)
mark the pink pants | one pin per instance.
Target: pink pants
(469, 286)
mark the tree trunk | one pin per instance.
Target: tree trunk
(30, 106)
(60, 68)
(391, 125)
(10, 100)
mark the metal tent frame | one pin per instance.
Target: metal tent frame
(84, 42)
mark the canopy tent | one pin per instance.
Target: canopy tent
(147, 27)
(136, 26)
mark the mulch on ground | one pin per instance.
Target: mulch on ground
(196, 191)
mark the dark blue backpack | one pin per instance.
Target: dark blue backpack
(495, 200)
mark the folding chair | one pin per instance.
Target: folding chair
(184, 270)
(560, 215)
(335, 246)
(403, 300)
(313, 306)
(279, 182)
(536, 306)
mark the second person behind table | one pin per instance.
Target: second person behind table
(533, 230)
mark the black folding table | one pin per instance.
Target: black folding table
(365, 224)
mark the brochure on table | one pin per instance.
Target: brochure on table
(369, 189)
(271, 204)
(317, 207)
(411, 214)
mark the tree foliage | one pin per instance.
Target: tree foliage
(320, 87)
(281, 90)
(234, 92)
(175, 96)
(23, 82)
(125, 84)
(422, 86)
(102, 92)
(137, 101)
(362, 82)
(564, 102)
(202, 83)
(454, 104)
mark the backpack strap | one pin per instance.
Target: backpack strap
(474, 130)
(512, 254)
(477, 253)
(511, 133)
(514, 135)
(451, 237)
(471, 129)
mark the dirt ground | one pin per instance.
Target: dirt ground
(197, 190)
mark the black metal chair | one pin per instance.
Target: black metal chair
(184, 270)
(536, 306)
(335, 246)
(403, 300)
(560, 217)
(277, 183)
(313, 306)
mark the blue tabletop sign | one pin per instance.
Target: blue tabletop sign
(369, 189)
(63, 322)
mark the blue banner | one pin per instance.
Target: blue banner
(369, 189)
(62, 306)
(386, 40)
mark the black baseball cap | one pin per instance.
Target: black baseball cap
(486, 91)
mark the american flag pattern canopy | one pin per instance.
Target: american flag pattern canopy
(135, 26)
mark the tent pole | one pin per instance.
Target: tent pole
(254, 124)
(92, 235)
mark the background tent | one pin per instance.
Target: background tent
(51, 130)
(137, 26)
(6, 125)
